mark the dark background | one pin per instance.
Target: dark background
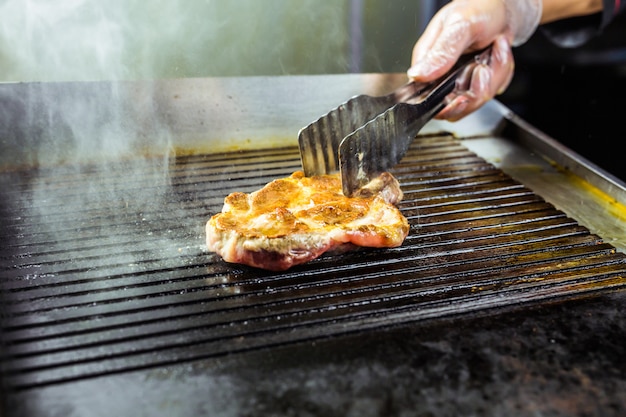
(576, 95)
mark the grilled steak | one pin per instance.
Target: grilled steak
(296, 219)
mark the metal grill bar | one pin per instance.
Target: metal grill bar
(104, 267)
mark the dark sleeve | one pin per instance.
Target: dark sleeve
(612, 8)
(571, 33)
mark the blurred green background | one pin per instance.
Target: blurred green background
(69, 40)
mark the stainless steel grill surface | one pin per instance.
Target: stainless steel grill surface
(104, 269)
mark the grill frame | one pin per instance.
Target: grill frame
(31, 361)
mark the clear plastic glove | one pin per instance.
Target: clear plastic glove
(463, 26)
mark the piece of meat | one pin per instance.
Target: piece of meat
(296, 219)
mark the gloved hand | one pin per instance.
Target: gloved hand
(468, 25)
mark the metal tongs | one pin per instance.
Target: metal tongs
(366, 135)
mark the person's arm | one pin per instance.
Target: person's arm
(563, 9)
(467, 25)
(573, 26)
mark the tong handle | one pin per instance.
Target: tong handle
(432, 99)
(379, 144)
(426, 108)
(444, 85)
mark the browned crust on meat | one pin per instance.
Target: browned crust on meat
(295, 219)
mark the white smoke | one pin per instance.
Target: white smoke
(80, 40)
(59, 40)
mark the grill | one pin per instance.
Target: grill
(115, 286)
(105, 270)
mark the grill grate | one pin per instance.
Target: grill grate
(104, 268)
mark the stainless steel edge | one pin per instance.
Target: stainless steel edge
(496, 119)
(566, 158)
(573, 184)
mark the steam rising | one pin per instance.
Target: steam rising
(59, 40)
(98, 164)
(98, 60)
(79, 40)
(118, 41)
